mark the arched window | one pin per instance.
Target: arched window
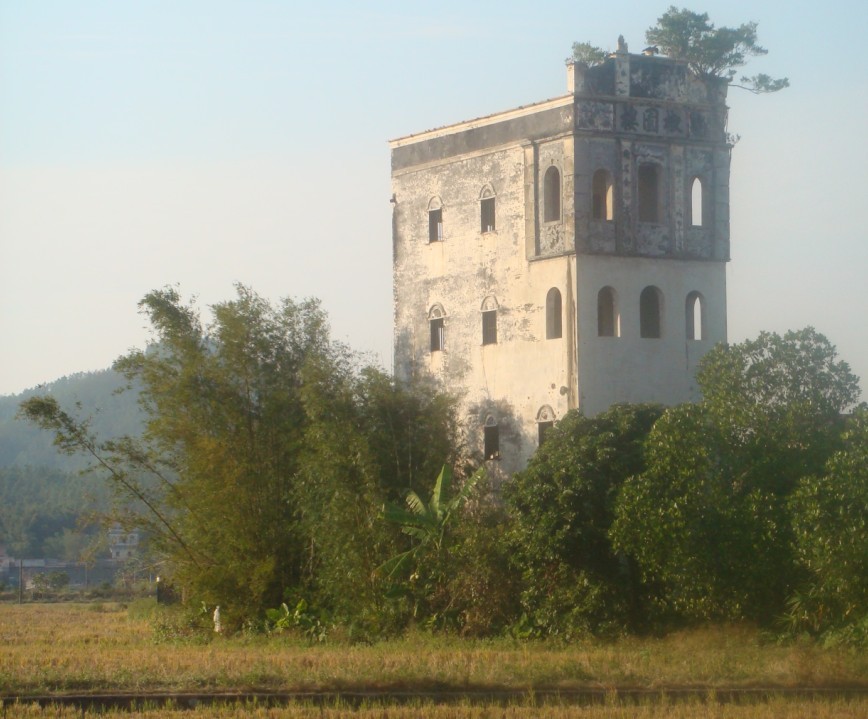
(602, 205)
(554, 324)
(545, 420)
(649, 192)
(435, 220)
(552, 195)
(694, 312)
(608, 319)
(435, 321)
(491, 439)
(487, 209)
(650, 311)
(489, 321)
(696, 198)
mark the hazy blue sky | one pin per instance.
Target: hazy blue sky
(205, 143)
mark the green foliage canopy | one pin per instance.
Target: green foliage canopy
(708, 521)
(587, 54)
(778, 400)
(215, 467)
(368, 441)
(563, 505)
(456, 572)
(267, 453)
(43, 512)
(711, 51)
(830, 517)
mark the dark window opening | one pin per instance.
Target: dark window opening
(607, 315)
(552, 195)
(554, 325)
(491, 447)
(489, 327)
(649, 313)
(649, 193)
(543, 428)
(435, 225)
(487, 214)
(437, 334)
(603, 201)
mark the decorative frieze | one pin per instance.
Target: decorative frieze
(640, 119)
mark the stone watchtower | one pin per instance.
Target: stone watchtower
(566, 254)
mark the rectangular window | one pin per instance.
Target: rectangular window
(649, 193)
(487, 214)
(435, 225)
(489, 327)
(552, 195)
(543, 428)
(437, 335)
(492, 442)
(649, 313)
(554, 328)
(598, 207)
(606, 313)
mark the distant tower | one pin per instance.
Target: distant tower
(566, 254)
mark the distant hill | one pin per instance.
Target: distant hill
(44, 502)
(114, 414)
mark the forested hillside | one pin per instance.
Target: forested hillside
(46, 505)
(49, 513)
(113, 413)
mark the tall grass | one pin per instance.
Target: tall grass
(75, 648)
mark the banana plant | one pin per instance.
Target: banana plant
(426, 522)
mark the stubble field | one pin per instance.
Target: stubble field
(64, 649)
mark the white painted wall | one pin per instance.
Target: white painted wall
(630, 368)
(513, 379)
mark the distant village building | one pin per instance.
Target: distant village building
(123, 544)
(566, 254)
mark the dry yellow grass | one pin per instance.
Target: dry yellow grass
(75, 648)
(775, 709)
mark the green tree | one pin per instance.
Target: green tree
(710, 51)
(830, 516)
(562, 507)
(216, 467)
(708, 521)
(587, 54)
(708, 541)
(777, 400)
(483, 582)
(267, 455)
(72, 545)
(368, 441)
(44, 582)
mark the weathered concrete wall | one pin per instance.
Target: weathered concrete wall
(512, 380)
(629, 112)
(533, 122)
(630, 368)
